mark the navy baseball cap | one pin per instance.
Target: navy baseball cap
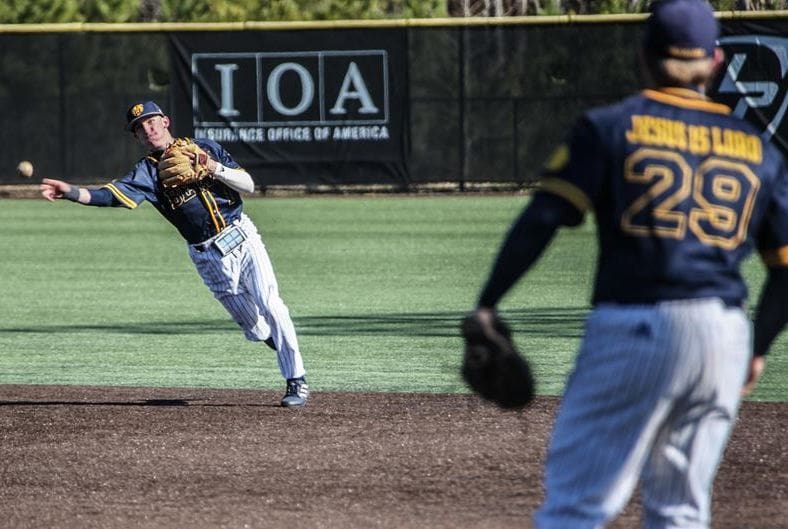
(141, 111)
(681, 29)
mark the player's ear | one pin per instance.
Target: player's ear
(719, 57)
(717, 65)
(165, 120)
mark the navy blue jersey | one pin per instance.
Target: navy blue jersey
(680, 190)
(198, 211)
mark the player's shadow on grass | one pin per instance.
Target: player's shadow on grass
(163, 403)
(556, 322)
(146, 402)
(155, 327)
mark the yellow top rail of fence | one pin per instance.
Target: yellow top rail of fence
(136, 27)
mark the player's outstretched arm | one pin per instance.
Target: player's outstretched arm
(771, 315)
(52, 190)
(530, 234)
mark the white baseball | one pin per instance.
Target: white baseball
(25, 169)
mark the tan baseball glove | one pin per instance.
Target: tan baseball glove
(183, 163)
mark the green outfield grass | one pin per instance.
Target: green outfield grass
(376, 287)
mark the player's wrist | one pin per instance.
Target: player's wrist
(72, 194)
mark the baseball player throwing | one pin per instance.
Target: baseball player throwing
(195, 185)
(680, 190)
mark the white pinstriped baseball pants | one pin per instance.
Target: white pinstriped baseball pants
(244, 282)
(654, 395)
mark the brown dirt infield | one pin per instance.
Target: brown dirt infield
(92, 457)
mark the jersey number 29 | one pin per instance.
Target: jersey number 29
(714, 200)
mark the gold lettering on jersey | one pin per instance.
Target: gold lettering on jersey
(736, 144)
(660, 132)
(699, 141)
(696, 139)
(178, 196)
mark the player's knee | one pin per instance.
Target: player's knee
(254, 336)
(276, 307)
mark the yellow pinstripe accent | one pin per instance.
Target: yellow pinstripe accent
(213, 209)
(776, 257)
(686, 98)
(123, 199)
(216, 208)
(567, 191)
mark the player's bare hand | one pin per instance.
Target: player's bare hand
(53, 189)
(202, 159)
(757, 365)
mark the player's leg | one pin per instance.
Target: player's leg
(678, 477)
(233, 282)
(612, 408)
(259, 280)
(221, 274)
(224, 276)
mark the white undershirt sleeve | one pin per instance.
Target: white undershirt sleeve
(237, 179)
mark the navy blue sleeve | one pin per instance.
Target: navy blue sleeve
(773, 235)
(218, 153)
(527, 238)
(576, 169)
(102, 197)
(129, 191)
(771, 314)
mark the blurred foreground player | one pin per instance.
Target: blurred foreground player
(681, 191)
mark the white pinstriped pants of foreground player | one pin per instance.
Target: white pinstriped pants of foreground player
(654, 394)
(244, 282)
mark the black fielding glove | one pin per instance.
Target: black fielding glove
(492, 366)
